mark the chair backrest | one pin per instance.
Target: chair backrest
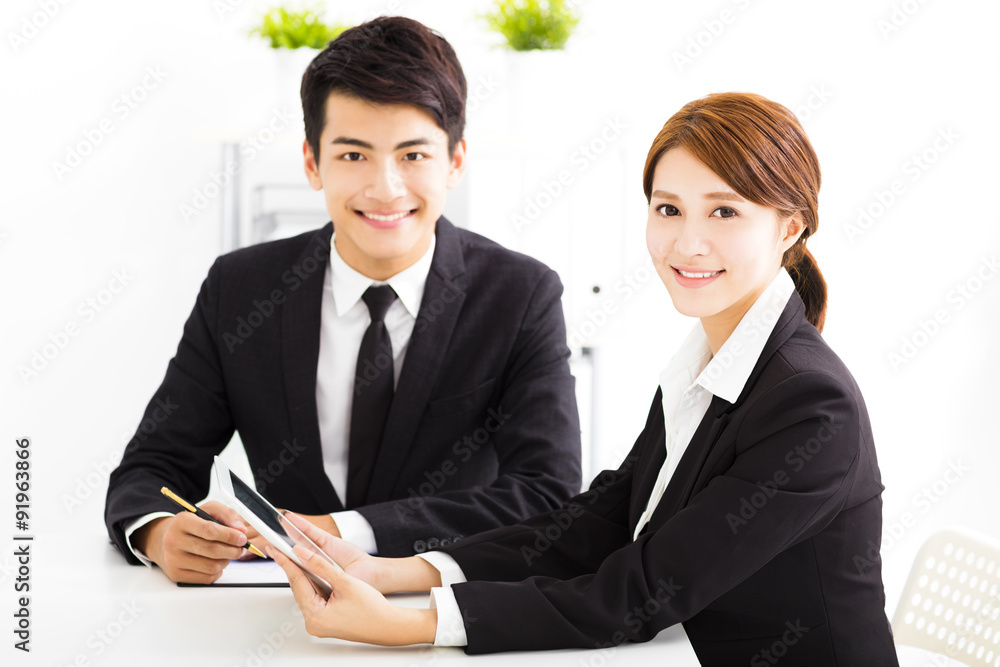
(951, 603)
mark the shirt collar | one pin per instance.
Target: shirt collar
(348, 285)
(727, 372)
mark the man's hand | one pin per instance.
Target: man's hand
(190, 549)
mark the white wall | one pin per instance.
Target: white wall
(871, 100)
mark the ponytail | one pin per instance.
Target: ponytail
(809, 282)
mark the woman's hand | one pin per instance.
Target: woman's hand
(351, 558)
(355, 610)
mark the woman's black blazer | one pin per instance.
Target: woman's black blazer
(765, 544)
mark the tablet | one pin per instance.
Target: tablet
(268, 520)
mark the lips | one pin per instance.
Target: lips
(694, 277)
(385, 219)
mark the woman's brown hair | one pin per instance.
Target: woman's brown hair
(759, 148)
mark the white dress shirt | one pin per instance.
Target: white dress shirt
(343, 321)
(688, 382)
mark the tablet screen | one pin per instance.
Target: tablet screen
(274, 518)
(253, 502)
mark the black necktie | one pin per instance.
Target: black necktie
(373, 388)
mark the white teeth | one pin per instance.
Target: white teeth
(698, 275)
(387, 218)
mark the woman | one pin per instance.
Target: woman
(749, 508)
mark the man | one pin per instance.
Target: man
(401, 381)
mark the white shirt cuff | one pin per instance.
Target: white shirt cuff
(451, 572)
(355, 529)
(136, 525)
(450, 626)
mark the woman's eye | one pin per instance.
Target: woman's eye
(725, 212)
(667, 210)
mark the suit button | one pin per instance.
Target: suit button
(445, 541)
(433, 543)
(420, 546)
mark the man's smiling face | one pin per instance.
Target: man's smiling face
(385, 170)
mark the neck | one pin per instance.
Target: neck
(378, 268)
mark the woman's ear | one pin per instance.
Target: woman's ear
(791, 229)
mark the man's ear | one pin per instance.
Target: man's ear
(457, 164)
(311, 169)
(793, 228)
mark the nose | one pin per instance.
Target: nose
(691, 239)
(388, 183)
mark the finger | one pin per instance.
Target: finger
(319, 565)
(225, 514)
(304, 591)
(322, 538)
(200, 564)
(210, 531)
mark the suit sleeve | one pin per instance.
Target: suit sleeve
(537, 445)
(807, 427)
(184, 426)
(571, 540)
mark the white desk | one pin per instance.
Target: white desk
(148, 621)
(98, 610)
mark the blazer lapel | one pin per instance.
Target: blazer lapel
(701, 455)
(300, 328)
(444, 294)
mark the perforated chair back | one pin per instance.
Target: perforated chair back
(951, 603)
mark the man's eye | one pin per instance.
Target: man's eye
(414, 156)
(667, 210)
(352, 157)
(725, 212)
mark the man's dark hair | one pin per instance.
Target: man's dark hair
(388, 60)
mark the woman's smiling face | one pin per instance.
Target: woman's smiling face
(715, 251)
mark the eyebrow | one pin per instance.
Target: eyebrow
(422, 141)
(719, 196)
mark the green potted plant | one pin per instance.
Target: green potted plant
(535, 33)
(533, 25)
(285, 28)
(295, 36)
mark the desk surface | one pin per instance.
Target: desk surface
(97, 610)
(126, 615)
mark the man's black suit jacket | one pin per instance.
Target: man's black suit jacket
(482, 432)
(765, 544)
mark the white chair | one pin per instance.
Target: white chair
(951, 602)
